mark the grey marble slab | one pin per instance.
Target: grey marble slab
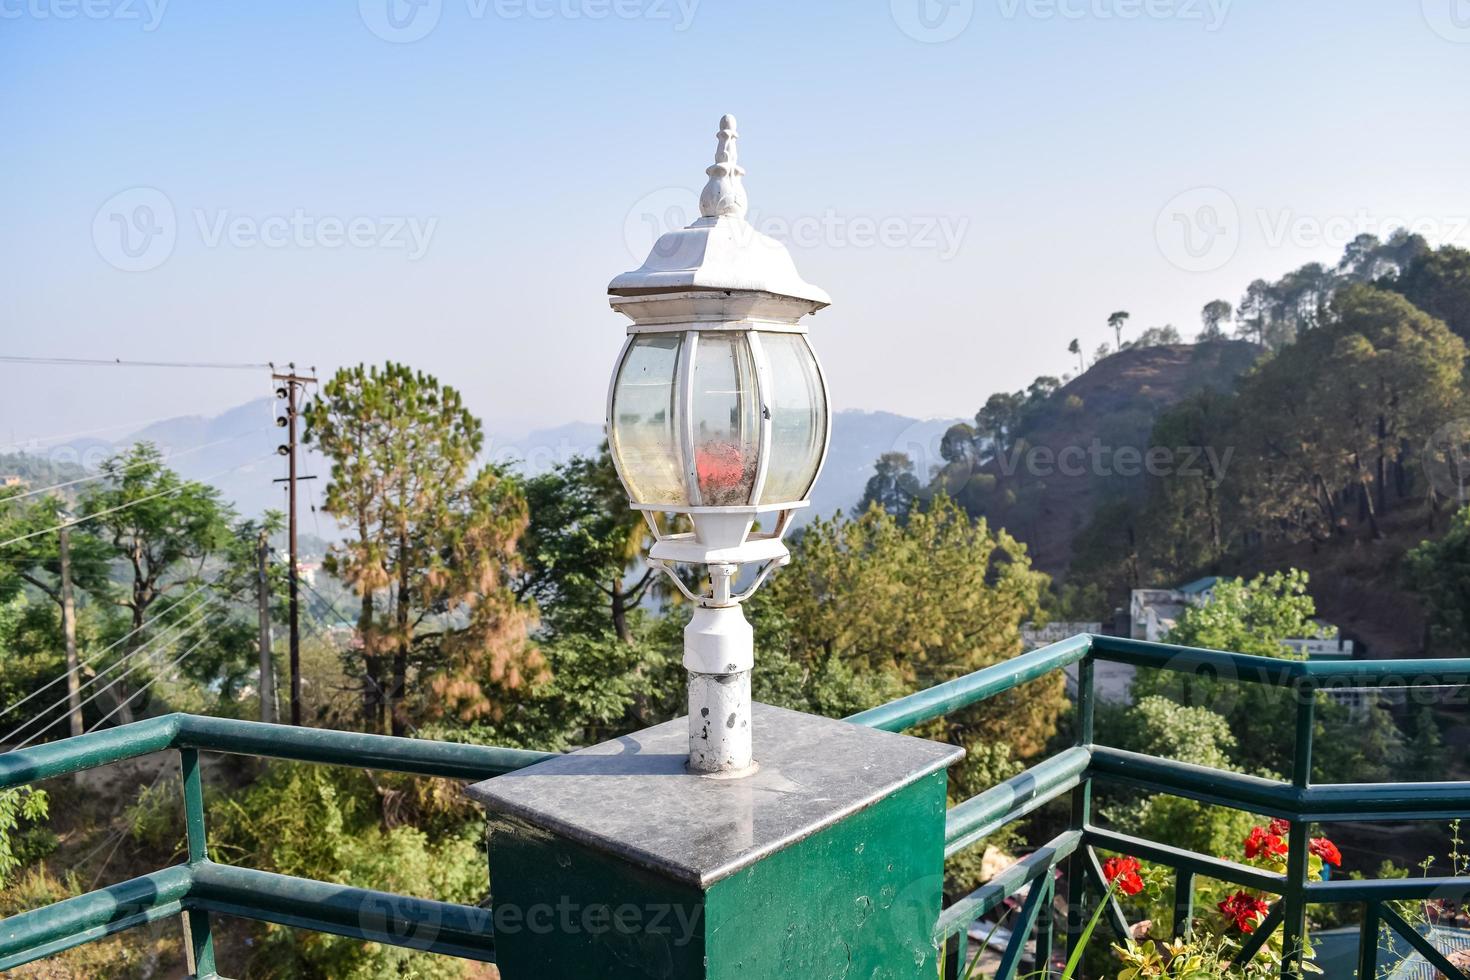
(632, 796)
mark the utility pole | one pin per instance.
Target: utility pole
(69, 629)
(291, 391)
(263, 596)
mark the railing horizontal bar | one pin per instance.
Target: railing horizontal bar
(1177, 857)
(1391, 673)
(1388, 889)
(422, 757)
(983, 814)
(1349, 802)
(1201, 783)
(1005, 884)
(49, 930)
(1226, 666)
(88, 751)
(417, 923)
(938, 701)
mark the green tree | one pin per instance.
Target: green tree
(1439, 571)
(1257, 617)
(872, 608)
(1115, 323)
(436, 543)
(893, 487)
(164, 529)
(1075, 349)
(583, 547)
(1214, 315)
(1160, 727)
(1187, 512)
(1438, 283)
(1339, 413)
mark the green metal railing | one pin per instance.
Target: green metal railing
(1298, 801)
(200, 887)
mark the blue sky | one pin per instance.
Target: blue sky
(337, 188)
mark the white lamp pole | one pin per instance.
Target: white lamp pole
(717, 417)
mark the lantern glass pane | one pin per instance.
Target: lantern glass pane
(798, 417)
(726, 419)
(643, 435)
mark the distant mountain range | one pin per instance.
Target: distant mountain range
(236, 452)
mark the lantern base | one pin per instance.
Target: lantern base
(719, 724)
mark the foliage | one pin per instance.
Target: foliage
(880, 607)
(165, 530)
(893, 487)
(1229, 914)
(435, 545)
(1439, 571)
(22, 803)
(1256, 617)
(1438, 282)
(582, 549)
(1162, 728)
(330, 824)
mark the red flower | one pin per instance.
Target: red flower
(1244, 910)
(1280, 827)
(1326, 850)
(1261, 842)
(1123, 870)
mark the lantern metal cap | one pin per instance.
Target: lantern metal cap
(721, 250)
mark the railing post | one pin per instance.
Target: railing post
(1081, 805)
(200, 948)
(1294, 901)
(1183, 903)
(1368, 943)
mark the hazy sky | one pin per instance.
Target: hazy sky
(452, 183)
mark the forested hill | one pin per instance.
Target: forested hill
(1041, 462)
(1087, 444)
(1333, 435)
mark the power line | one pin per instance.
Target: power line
(149, 683)
(103, 652)
(111, 684)
(184, 485)
(196, 618)
(143, 462)
(119, 362)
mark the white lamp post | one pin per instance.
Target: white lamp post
(718, 412)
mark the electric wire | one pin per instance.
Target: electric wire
(183, 485)
(145, 462)
(103, 652)
(196, 618)
(119, 362)
(97, 694)
(149, 683)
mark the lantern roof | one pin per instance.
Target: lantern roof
(720, 250)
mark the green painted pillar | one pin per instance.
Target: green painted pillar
(614, 862)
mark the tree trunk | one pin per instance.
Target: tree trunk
(620, 611)
(400, 655)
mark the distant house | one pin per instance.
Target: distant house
(1153, 613)
(11, 481)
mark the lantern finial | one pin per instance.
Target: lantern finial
(724, 194)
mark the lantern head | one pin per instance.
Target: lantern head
(718, 408)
